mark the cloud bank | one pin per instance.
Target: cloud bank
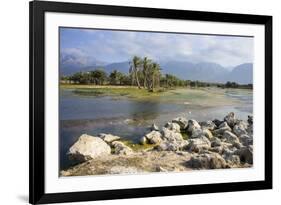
(86, 46)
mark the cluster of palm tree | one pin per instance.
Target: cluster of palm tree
(145, 73)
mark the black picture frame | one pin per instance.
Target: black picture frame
(37, 194)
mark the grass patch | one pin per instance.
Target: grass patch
(114, 91)
(137, 147)
(184, 135)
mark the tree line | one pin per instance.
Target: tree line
(143, 73)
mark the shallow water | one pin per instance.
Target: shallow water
(130, 118)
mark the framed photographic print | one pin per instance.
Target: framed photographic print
(140, 102)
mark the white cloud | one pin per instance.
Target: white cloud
(113, 46)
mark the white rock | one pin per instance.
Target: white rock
(121, 148)
(230, 119)
(198, 144)
(171, 135)
(173, 126)
(154, 137)
(208, 125)
(240, 129)
(181, 121)
(192, 124)
(230, 137)
(88, 147)
(108, 138)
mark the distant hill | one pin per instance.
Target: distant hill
(242, 74)
(210, 72)
(204, 71)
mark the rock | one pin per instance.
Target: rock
(218, 149)
(237, 145)
(207, 133)
(217, 122)
(245, 154)
(250, 119)
(208, 125)
(232, 159)
(230, 119)
(108, 138)
(224, 124)
(197, 133)
(173, 126)
(143, 140)
(171, 135)
(246, 140)
(192, 125)
(181, 121)
(215, 142)
(154, 127)
(154, 137)
(240, 128)
(250, 130)
(198, 144)
(88, 147)
(121, 148)
(230, 137)
(172, 145)
(221, 130)
(207, 161)
(65, 173)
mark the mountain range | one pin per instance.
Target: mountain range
(203, 71)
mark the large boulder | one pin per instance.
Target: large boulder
(108, 138)
(181, 121)
(121, 148)
(154, 137)
(208, 125)
(207, 161)
(170, 135)
(198, 144)
(173, 126)
(230, 119)
(230, 137)
(192, 125)
(88, 147)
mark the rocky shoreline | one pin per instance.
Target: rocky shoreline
(181, 145)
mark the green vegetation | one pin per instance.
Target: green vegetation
(236, 85)
(137, 147)
(144, 74)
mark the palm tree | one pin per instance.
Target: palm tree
(146, 64)
(154, 75)
(134, 69)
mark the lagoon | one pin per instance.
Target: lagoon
(130, 116)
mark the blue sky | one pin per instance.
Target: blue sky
(84, 46)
